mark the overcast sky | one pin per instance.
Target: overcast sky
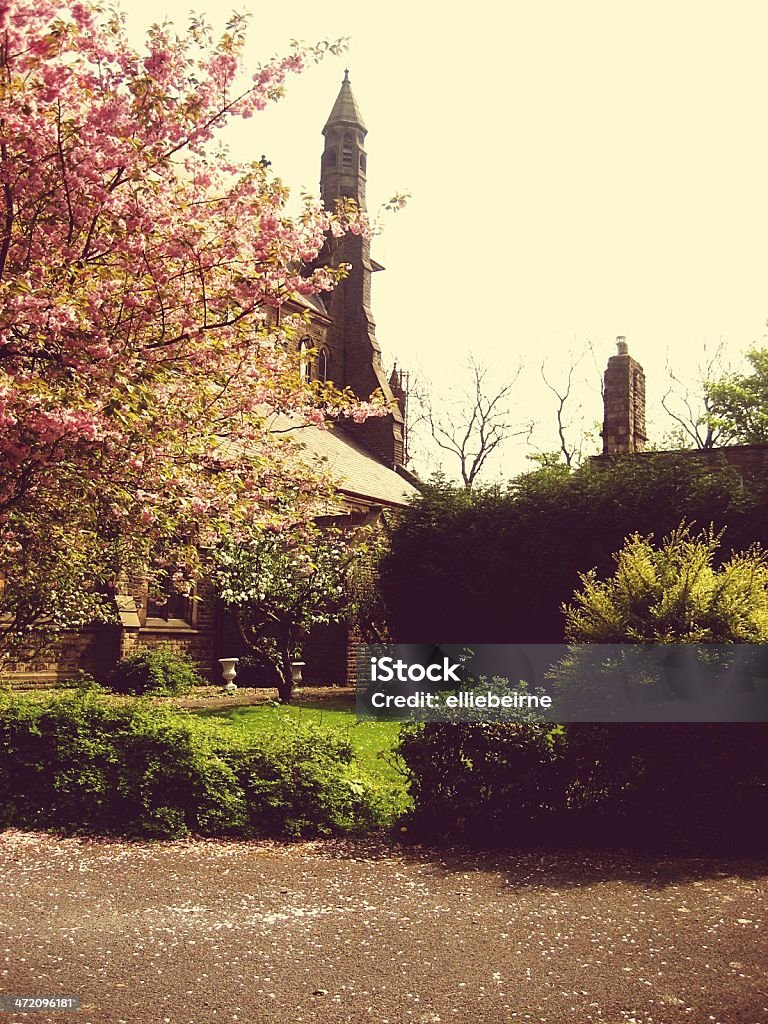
(577, 170)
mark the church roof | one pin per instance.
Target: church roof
(358, 473)
(345, 109)
(311, 302)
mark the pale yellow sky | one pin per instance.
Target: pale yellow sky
(578, 171)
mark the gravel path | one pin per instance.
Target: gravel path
(205, 931)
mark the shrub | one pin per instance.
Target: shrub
(84, 682)
(673, 784)
(83, 763)
(673, 592)
(685, 786)
(484, 782)
(303, 782)
(158, 670)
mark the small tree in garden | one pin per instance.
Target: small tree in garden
(738, 402)
(141, 271)
(279, 583)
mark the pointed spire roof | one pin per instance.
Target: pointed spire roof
(345, 109)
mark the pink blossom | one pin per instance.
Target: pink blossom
(139, 288)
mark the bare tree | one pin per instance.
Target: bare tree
(687, 402)
(568, 390)
(472, 424)
(569, 449)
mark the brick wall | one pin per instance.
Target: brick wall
(623, 403)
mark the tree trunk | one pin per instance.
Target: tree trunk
(285, 672)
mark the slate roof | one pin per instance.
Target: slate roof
(358, 473)
(312, 302)
(345, 109)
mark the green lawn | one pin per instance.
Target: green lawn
(373, 742)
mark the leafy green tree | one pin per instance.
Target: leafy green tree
(738, 403)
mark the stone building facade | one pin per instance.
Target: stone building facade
(367, 459)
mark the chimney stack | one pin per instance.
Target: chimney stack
(624, 403)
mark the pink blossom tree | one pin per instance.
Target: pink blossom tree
(145, 338)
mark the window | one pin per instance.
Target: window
(305, 368)
(170, 605)
(348, 152)
(323, 360)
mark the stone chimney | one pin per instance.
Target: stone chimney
(399, 382)
(624, 403)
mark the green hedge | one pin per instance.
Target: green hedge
(496, 565)
(681, 787)
(483, 782)
(87, 764)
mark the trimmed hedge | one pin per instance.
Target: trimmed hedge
(86, 764)
(681, 786)
(496, 565)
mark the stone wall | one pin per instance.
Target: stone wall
(749, 460)
(197, 645)
(94, 650)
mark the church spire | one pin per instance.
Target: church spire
(343, 167)
(345, 109)
(355, 355)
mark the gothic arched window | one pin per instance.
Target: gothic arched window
(305, 345)
(323, 362)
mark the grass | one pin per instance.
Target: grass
(373, 742)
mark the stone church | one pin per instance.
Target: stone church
(367, 459)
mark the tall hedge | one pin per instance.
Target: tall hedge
(496, 565)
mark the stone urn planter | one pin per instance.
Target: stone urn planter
(296, 667)
(229, 671)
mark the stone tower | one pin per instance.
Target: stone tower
(355, 355)
(624, 403)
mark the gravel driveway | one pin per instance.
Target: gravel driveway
(205, 931)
